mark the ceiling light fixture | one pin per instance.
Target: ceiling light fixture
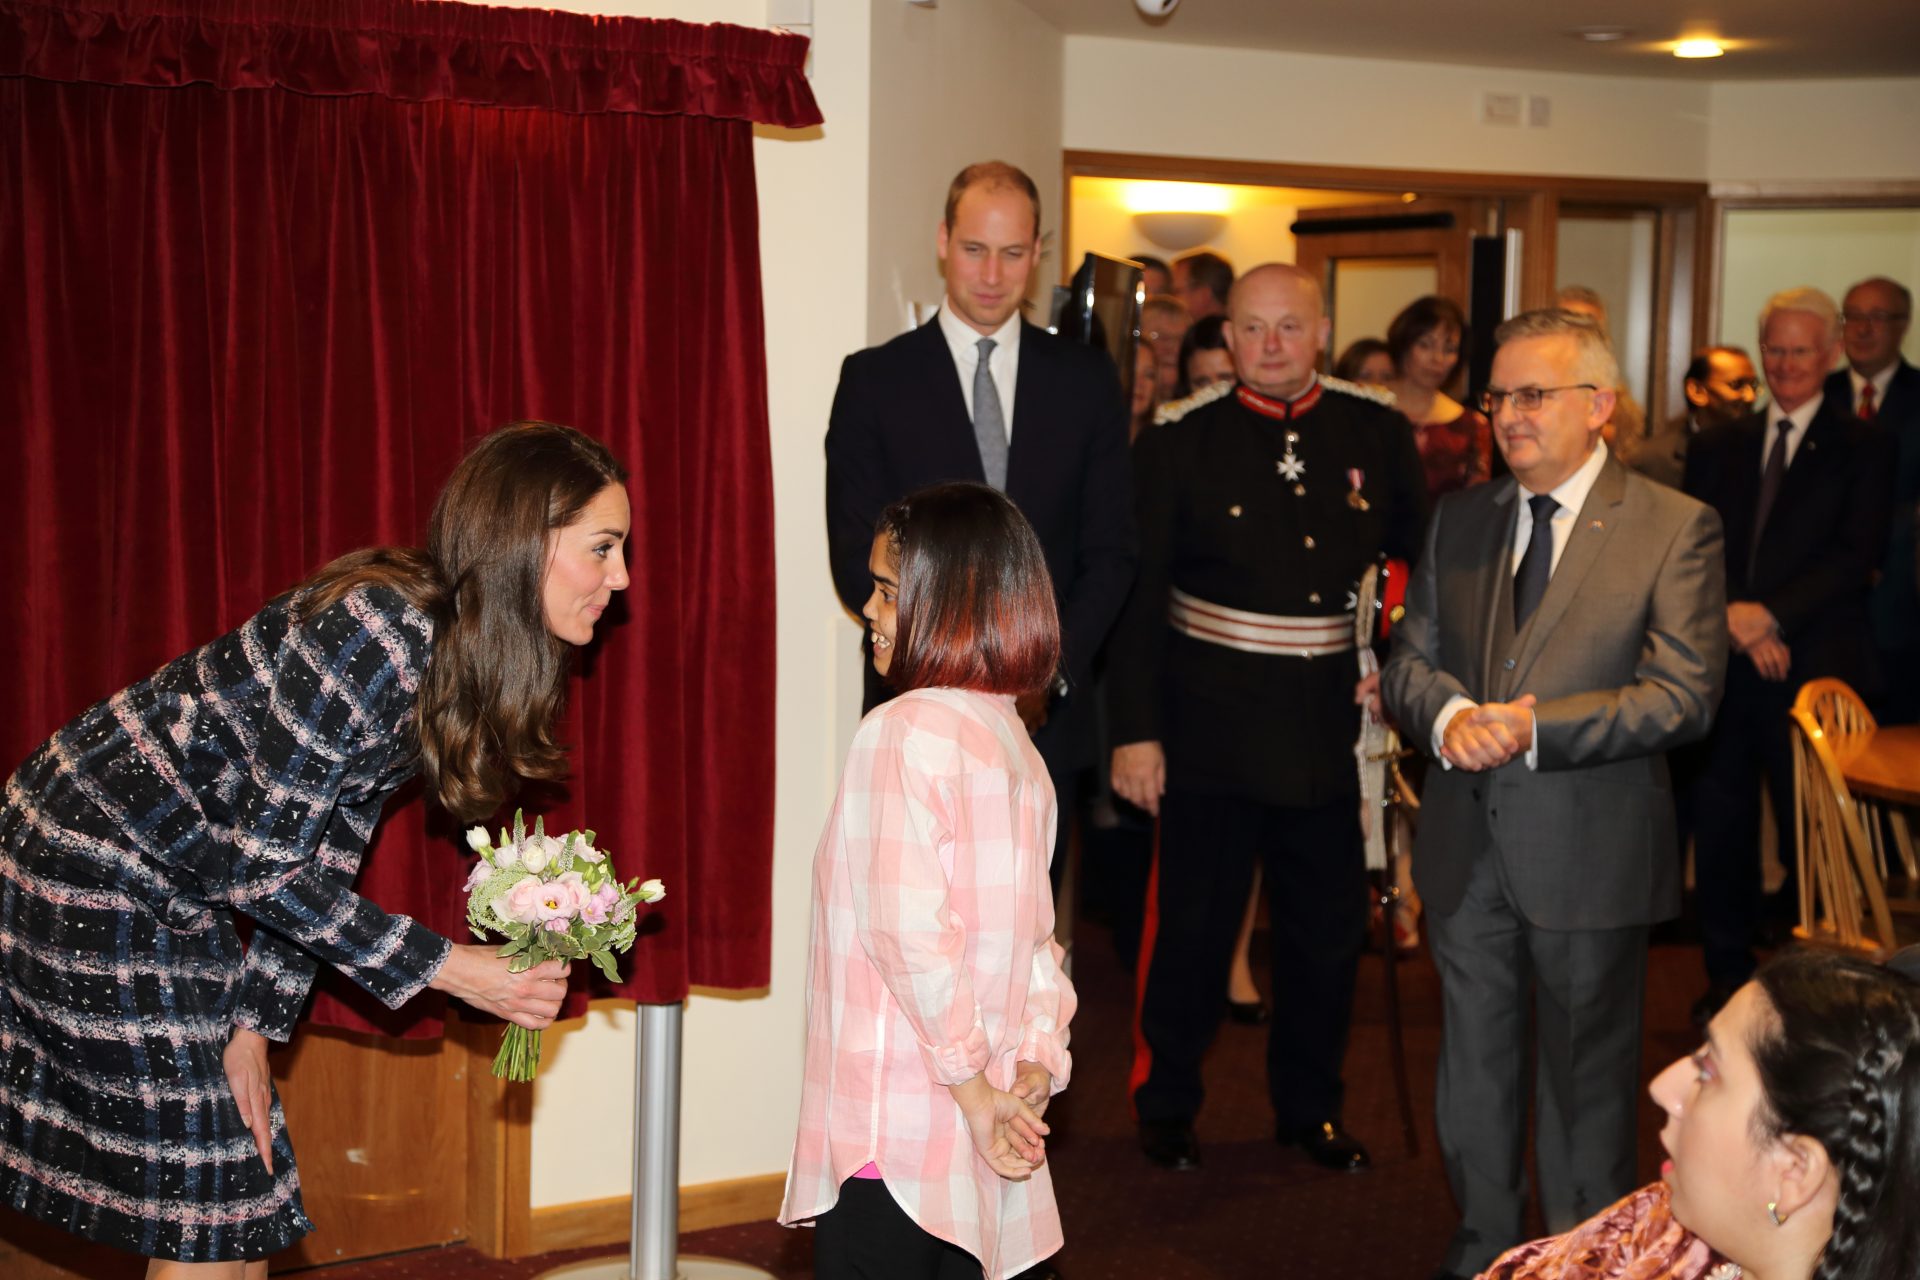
(1600, 35)
(1699, 47)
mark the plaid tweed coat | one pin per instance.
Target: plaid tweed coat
(245, 777)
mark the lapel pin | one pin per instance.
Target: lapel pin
(1234, 511)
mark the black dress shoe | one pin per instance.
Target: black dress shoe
(1248, 1013)
(1170, 1143)
(1329, 1146)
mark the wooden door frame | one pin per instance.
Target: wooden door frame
(1687, 235)
(1725, 197)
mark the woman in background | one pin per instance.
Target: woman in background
(136, 1106)
(1794, 1137)
(1427, 341)
(937, 1010)
(1366, 361)
(1146, 387)
(1204, 359)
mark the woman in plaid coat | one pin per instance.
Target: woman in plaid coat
(937, 1009)
(245, 778)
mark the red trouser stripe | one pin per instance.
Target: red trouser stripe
(1149, 929)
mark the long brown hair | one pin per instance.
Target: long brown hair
(497, 680)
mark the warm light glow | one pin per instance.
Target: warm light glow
(1177, 197)
(1700, 47)
(1408, 197)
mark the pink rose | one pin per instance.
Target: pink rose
(599, 905)
(557, 925)
(480, 872)
(574, 885)
(524, 899)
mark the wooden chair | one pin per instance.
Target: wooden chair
(1845, 720)
(1843, 899)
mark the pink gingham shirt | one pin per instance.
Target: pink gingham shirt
(932, 960)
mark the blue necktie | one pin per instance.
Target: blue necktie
(1536, 566)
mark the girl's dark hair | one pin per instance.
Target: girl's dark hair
(976, 607)
(1840, 1063)
(497, 680)
(1206, 334)
(1355, 357)
(1420, 318)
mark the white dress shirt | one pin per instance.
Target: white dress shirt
(963, 340)
(1571, 495)
(1881, 381)
(1802, 418)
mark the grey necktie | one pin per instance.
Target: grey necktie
(989, 421)
(1770, 478)
(1536, 563)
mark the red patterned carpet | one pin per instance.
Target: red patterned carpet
(1253, 1209)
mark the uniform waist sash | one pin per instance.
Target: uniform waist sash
(1260, 632)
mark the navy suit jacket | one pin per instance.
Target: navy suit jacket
(1896, 598)
(900, 423)
(1824, 539)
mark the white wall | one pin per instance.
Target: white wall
(1767, 250)
(1808, 130)
(1259, 225)
(1159, 98)
(742, 1056)
(963, 81)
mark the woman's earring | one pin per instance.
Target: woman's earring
(1773, 1212)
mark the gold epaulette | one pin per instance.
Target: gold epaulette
(1366, 391)
(1174, 410)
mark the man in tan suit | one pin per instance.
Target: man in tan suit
(1565, 627)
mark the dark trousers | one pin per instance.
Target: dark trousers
(868, 1236)
(1750, 741)
(1581, 991)
(1315, 875)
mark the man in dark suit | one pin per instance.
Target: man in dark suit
(979, 394)
(1564, 629)
(1879, 386)
(1720, 387)
(1805, 491)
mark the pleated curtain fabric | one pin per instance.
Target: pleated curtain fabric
(268, 268)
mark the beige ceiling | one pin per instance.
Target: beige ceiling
(1771, 39)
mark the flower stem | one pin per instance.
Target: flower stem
(519, 1056)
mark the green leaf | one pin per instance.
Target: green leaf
(603, 961)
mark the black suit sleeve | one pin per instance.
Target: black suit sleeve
(1407, 530)
(1134, 662)
(856, 480)
(1104, 559)
(1858, 545)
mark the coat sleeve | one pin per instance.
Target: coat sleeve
(1137, 656)
(1105, 549)
(1416, 683)
(1681, 672)
(341, 684)
(856, 480)
(895, 816)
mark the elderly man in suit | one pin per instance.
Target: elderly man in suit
(1879, 386)
(1563, 630)
(1720, 386)
(979, 394)
(1805, 490)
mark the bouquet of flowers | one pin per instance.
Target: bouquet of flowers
(552, 898)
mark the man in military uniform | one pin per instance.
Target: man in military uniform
(1236, 691)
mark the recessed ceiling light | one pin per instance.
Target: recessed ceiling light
(1699, 48)
(1600, 35)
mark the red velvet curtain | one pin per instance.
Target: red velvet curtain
(267, 268)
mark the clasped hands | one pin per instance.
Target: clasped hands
(1752, 630)
(1489, 735)
(1005, 1124)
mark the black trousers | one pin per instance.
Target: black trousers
(1314, 870)
(1750, 741)
(868, 1236)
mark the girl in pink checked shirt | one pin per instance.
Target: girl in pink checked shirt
(936, 1008)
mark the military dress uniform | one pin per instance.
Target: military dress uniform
(1236, 653)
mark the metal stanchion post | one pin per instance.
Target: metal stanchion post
(654, 1247)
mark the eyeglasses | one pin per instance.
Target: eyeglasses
(1526, 399)
(1874, 319)
(1790, 353)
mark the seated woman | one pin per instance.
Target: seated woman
(1204, 359)
(1428, 345)
(1792, 1139)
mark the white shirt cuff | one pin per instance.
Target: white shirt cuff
(1533, 742)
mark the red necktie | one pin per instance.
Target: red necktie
(1865, 407)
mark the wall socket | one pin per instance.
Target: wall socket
(1500, 109)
